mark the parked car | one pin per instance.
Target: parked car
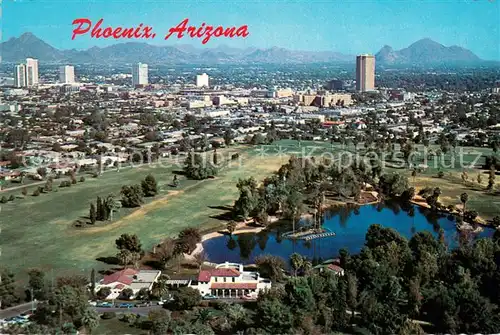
(92, 303)
(209, 297)
(125, 305)
(143, 304)
(104, 304)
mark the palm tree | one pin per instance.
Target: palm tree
(203, 315)
(297, 262)
(90, 319)
(160, 287)
(464, 197)
(307, 267)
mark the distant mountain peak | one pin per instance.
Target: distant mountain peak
(425, 51)
(28, 45)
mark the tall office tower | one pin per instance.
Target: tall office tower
(31, 72)
(140, 74)
(202, 80)
(67, 74)
(365, 73)
(20, 75)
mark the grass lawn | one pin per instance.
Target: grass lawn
(115, 327)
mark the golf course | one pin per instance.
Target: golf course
(39, 231)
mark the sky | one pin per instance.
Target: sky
(347, 26)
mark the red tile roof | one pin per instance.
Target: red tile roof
(234, 286)
(225, 272)
(124, 276)
(335, 268)
(205, 275)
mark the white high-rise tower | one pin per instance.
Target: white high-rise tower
(140, 74)
(67, 74)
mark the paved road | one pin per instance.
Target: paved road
(16, 310)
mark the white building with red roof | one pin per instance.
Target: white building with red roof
(229, 280)
(128, 278)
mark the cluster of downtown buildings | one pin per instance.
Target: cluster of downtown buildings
(27, 75)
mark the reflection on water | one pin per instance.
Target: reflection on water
(350, 224)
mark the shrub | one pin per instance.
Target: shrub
(82, 179)
(440, 174)
(24, 191)
(103, 292)
(36, 193)
(108, 315)
(3, 200)
(186, 298)
(12, 198)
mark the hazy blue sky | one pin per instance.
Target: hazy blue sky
(349, 26)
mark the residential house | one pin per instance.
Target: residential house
(128, 278)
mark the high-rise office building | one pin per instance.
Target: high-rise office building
(140, 74)
(365, 73)
(20, 75)
(31, 72)
(67, 74)
(202, 80)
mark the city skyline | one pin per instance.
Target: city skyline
(314, 25)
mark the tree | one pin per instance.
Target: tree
(491, 179)
(271, 267)
(228, 137)
(8, 295)
(92, 214)
(111, 205)
(92, 282)
(165, 251)
(132, 196)
(90, 319)
(127, 293)
(195, 167)
(160, 288)
(274, 316)
(186, 298)
(24, 191)
(200, 258)
(37, 284)
(103, 292)
(231, 227)
(464, 197)
(479, 179)
(160, 321)
(297, 262)
(149, 186)
(129, 242)
(124, 257)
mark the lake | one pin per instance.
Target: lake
(350, 225)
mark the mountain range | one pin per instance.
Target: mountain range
(425, 51)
